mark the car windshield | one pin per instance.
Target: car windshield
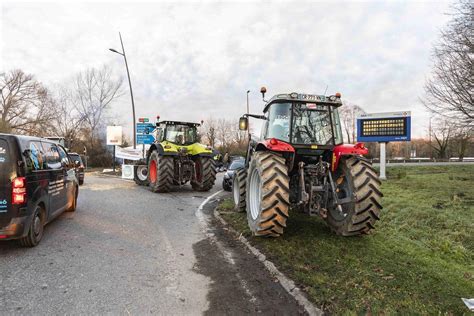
(236, 164)
(75, 158)
(181, 134)
(311, 124)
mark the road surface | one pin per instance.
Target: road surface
(127, 250)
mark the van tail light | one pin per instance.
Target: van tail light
(19, 190)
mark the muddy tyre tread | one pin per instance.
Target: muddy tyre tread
(208, 175)
(367, 205)
(164, 172)
(240, 179)
(275, 195)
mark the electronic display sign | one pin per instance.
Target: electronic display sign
(384, 127)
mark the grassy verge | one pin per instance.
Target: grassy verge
(419, 260)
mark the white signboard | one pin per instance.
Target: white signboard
(114, 135)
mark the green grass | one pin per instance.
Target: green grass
(419, 260)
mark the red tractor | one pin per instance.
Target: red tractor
(301, 162)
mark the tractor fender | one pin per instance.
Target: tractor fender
(160, 149)
(204, 155)
(274, 144)
(347, 150)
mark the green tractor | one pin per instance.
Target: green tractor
(175, 158)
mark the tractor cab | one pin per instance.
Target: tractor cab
(303, 120)
(178, 133)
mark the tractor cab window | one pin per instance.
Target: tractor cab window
(181, 134)
(337, 126)
(278, 125)
(311, 125)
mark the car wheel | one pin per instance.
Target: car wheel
(36, 230)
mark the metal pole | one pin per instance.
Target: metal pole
(131, 95)
(113, 163)
(248, 110)
(382, 162)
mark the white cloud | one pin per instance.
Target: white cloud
(192, 60)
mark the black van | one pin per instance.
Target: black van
(37, 183)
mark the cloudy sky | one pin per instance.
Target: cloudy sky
(189, 61)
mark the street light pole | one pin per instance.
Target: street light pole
(248, 110)
(131, 91)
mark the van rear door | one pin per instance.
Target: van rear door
(7, 170)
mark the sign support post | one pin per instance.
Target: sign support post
(382, 161)
(114, 138)
(113, 163)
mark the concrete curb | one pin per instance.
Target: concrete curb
(287, 283)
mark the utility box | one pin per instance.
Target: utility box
(128, 172)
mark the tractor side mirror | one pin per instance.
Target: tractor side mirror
(243, 123)
(263, 90)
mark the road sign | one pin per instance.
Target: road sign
(384, 127)
(143, 119)
(145, 128)
(114, 135)
(145, 139)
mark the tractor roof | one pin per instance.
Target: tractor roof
(334, 100)
(179, 123)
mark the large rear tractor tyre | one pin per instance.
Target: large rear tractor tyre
(356, 178)
(160, 172)
(141, 175)
(238, 189)
(268, 192)
(205, 175)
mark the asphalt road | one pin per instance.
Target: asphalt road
(127, 250)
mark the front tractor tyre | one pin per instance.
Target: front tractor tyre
(267, 197)
(238, 189)
(205, 174)
(356, 179)
(160, 172)
(141, 175)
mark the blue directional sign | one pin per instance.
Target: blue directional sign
(145, 139)
(145, 128)
(384, 127)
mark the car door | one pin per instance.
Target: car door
(57, 184)
(69, 172)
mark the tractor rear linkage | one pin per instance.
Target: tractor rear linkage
(318, 191)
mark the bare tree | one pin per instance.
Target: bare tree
(210, 132)
(449, 92)
(68, 119)
(348, 113)
(223, 134)
(442, 133)
(26, 105)
(462, 139)
(94, 91)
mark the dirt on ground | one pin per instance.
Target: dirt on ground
(240, 284)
